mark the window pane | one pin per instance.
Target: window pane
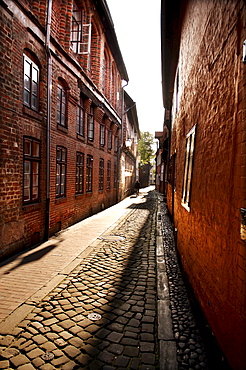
(27, 97)
(26, 194)
(34, 193)
(35, 180)
(27, 147)
(63, 155)
(35, 75)
(34, 88)
(27, 181)
(34, 102)
(27, 68)
(35, 149)
(27, 83)
(63, 119)
(58, 154)
(58, 117)
(35, 168)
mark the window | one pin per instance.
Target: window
(109, 139)
(80, 31)
(102, 134)
(89, 172)
(108, 174)
(91, 124)
(101, 174)
(79, 173)
(190, 144)
(116, 144)
(61, 164)
(31, 153)
(80, 117)
(76, 28)
(31, 83)
(115, 175)
(61, 106)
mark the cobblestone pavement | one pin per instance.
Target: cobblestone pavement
(191, 353)
(104, 313)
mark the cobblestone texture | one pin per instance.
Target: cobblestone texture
(191, 353)
(118, 282)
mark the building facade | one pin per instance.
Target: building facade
(129, 150)
(61, 113)
(204, 93)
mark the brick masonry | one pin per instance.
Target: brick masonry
(212, 95)
(22, 32)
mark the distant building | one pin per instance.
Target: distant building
(204, 93)
(129, 157)
(61, 108)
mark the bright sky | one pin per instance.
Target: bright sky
(137, 26)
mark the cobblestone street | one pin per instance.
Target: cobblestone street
(105, 314)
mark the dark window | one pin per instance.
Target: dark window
(101, 174)
(116, 144)
(91, 124)
(61, 106)
(102, 135)
(31, 83)
(80, 117)
(89, 172)
(108, 174)
(31, 170)
(109, 140)
(115, 175)
(61, 164)
(79, 173)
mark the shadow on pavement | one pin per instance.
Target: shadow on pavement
(34, 256)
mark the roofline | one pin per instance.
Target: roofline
(103, 10)
(170, 40)
(132, 112)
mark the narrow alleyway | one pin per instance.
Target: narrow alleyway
(106, 313)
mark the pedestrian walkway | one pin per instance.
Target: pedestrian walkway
(96, 296)
(32, 274)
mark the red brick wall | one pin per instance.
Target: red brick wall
(212, 95)
(24, 225)
(19, 224)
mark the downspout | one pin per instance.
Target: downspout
(49, 88)
(121, 145)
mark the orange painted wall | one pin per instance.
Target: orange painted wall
(212, 95)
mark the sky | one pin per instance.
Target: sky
(137, 26)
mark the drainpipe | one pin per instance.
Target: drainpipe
(49, 88)
(121, 145)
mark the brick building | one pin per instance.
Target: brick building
(129, 156)
(61, 113)
(204, 74)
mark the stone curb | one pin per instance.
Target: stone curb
(167, 344)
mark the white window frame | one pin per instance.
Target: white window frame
(188, 169)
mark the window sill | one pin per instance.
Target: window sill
(31, 113)
(79, 195)
(185, 205)
(62, 128)
(80, 137)
(60, 200)
(30, 207)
